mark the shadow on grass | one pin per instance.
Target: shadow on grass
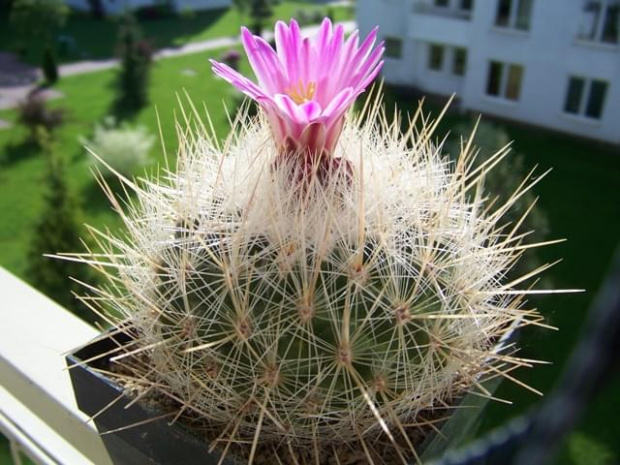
(20, 151)
(95, 200)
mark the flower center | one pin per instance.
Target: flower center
(300, 93)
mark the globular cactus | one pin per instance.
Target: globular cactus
(303, 291)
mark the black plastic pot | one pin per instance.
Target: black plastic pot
(129, 433)
(133, 434)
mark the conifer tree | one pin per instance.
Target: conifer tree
(260, 12)
(57, 231)
(50, 66)
(133, 78)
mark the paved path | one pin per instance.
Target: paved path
(10, 96)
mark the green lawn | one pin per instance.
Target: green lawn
(96, 39)
(580, 196)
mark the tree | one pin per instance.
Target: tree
(97, 9)
(57, 231)
(260, 12)
(242, 7)
(5, 6)
(50, 67)
(136, 58)
(38, 20)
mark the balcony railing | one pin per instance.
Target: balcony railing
(425, 7)
(38, 413)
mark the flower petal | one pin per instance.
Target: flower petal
(238, 80)
(339, 105)
(312, 109)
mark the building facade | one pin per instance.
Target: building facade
(115, 7)
(553, 63)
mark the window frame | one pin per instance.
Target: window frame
(455, 64)
(602, 19)
(442, 56)
(507, 71)
(513, 18)
(585, 98)
(395, 53)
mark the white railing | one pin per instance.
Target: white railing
(38, 413)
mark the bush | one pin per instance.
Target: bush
(231, 58)
(33, 113)
(122, 147)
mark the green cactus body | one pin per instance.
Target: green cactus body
(333, 314)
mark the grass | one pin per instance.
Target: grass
(172, 31)
(89, 99)
(580, 197)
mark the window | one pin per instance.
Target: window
(585, 97)
(458, 8)
(515, 14)
(393, 47)
(602, 21)
(504, 80)
(435, 57)
(459, 61)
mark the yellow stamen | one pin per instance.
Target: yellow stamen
(300, 93)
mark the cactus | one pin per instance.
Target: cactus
(302, 294)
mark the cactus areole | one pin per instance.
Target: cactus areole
(298, 316)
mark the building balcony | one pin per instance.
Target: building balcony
(423, 7)
(38, 413)
(444, 25)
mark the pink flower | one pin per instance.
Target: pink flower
(306, 85)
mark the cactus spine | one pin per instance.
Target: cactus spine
(301, 318)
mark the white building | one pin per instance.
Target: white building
(115, 7)
(553, 63)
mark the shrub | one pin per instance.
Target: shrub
(231, 58)
(122, 147)
(33, 113)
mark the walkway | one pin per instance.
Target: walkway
(10, 96)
